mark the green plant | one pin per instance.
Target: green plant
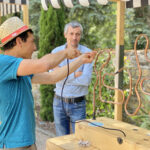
(105, 109)
(34, 11)
(47, 95)
(143, 117)
(51, 36)
(102, 109)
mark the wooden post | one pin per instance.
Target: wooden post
(0, 18)
(119, 57)
(25, 15)
(127, 137)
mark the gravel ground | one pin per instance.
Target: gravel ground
(44, 131)
(41, 138)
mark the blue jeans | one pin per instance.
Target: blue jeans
(70, 113)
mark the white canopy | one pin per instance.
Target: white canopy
(86, 3)
(11, 6)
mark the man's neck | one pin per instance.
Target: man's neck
(11, 52)
(70, 46)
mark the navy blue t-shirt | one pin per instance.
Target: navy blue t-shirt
(17, 121)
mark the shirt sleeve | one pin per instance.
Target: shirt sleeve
(55, 50)
(84, 79)
(69, 79)
(9, 66)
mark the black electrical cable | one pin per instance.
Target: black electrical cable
(102, 126)
(64, 86)
(83, 120)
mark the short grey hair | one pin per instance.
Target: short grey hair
(73, 24)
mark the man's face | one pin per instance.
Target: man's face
(28, 47)
(73, 36)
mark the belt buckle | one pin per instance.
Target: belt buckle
(69, 100)
(66, 100)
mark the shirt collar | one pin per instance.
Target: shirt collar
(79, 46)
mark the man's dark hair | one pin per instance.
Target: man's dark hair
(12, 43)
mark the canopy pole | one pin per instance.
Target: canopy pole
(119, 58)
(25, 14)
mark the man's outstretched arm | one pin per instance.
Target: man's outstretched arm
(61, 73)
(47, 62)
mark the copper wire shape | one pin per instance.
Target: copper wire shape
(100, 79)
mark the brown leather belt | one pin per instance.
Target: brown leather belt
(71, 100)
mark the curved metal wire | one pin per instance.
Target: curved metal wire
(101, 79)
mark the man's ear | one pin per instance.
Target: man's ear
(19, 41)
(65, 35)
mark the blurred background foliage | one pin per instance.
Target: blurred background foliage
(51, 33)
(99, 24)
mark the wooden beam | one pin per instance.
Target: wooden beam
(119, 57)
(25, 14)
(67, 142)
(103, 139)
(0, 18)
(136, 138)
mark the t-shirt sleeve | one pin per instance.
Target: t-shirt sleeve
(8, 67)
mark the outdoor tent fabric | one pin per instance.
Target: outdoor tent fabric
(69, 3)
(6, 9)
(20, 2)
(86, 3)
(11, 6)
(137, 3)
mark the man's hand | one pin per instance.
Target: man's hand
(88, 57)
(72, 53)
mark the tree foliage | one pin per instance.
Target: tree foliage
(136, 22)
(34, 11)
(99, 24)
(51, 36)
